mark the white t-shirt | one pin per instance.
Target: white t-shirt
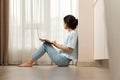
(72, 42)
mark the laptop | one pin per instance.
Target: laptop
(43, 40)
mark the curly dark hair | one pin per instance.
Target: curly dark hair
(71, 21)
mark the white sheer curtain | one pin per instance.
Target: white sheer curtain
(26, 16)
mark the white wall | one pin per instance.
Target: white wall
(86, 31)
(113, 28)
(100, 38)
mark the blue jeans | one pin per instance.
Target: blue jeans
(55, 56)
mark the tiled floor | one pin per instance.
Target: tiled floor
(53, 73)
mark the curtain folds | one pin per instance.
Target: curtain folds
(4, 31)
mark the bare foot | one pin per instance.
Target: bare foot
(28, 63)
(25, 65)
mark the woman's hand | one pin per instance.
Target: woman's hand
(62, 47)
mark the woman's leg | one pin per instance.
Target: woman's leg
(53, 54)
(40, 52)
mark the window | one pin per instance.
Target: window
(26, 16)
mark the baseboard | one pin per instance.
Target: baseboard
(97, 63)
(105, 63)
(89, 64)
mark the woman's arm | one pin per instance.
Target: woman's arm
(62, 47)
